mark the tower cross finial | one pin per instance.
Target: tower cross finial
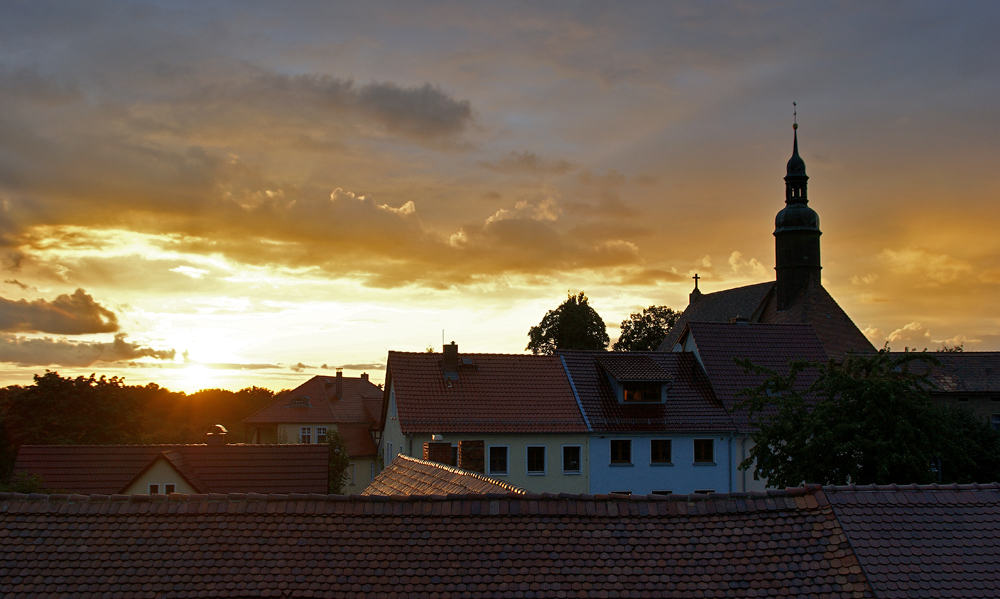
(795, 116)
(696, 277)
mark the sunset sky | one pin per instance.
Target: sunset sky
(225, 194)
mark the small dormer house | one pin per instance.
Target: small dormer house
(636, 379)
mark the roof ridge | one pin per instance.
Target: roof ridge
(464, 472)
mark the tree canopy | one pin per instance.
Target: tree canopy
(340, 461)
(573, 325)
(867, 420)
(644, 331)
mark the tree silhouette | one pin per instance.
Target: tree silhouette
(644, 331)
(573, 325)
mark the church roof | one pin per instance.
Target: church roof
(720, 306)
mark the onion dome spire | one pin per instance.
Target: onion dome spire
(796, 232)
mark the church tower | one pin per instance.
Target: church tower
(796, 234)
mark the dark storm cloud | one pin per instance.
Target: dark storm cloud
(60, 352)
(76, 314)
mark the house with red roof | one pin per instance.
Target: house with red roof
(512, 417)
(213, 467)
(414, 476)
(665, 422)
(304, 415)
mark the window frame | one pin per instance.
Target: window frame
(620, 462)
(305, 432)
(643, 389)
(321, 431)
(489, 460)
(995, 421)
(702, 461)
(527, 460)
(169, 488)
(670, 453)
(579, 459)
(154, 489)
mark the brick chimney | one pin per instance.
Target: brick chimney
(449, 362)
(340, 383)
(438, 452)
(216, 435)
(364, 376)
(472, 456)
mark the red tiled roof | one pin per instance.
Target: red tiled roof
(324, 405)
(358, 439)
(771, 346)
(413, 476)
(109, 469)
(757, 303)
(779, 544)
(834, 328)
(720, 306)
(633, 366)
(690, 404)
(496, 393)
(924, 541)
(963, 372)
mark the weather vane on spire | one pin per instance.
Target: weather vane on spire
(795, 116)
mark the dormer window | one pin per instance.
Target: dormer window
(641, 392)
(636, 379)
(301, 401)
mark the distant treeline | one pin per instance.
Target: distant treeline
(56, 410)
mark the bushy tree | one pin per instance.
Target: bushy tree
(573, 325)
(644, 331)
(340, 461)
(867, 420)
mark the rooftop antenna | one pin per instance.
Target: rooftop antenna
(795, 116)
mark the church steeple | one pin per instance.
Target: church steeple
(796, 233)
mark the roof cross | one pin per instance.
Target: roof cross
(696, 277)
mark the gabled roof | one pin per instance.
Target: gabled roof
(964, 372)
(110, 469)
(690, 405)
(924, 541)
(771, 346)
(494, 393)
(321, 405)
(780, 544)
(633, 366)
(413, 476)
(720, 306)
(834, 328)
(757, 303)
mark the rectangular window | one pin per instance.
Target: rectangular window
(454, 456)
(571, 459)
(659, 451)
(995, 422)
(305, 434)
(351, 468)
(154, 489)
(704, 451)
(168, 489)
(641, 392)
(621, 451)
(321, 434)
(536, 459)
(498, 460)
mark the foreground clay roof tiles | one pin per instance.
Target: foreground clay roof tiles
(413, 476)
(779, 544)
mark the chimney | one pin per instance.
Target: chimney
(472, 456)
(364, 376)
(216, 435)
(449, 362)
(439, 452)
(340, 383)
